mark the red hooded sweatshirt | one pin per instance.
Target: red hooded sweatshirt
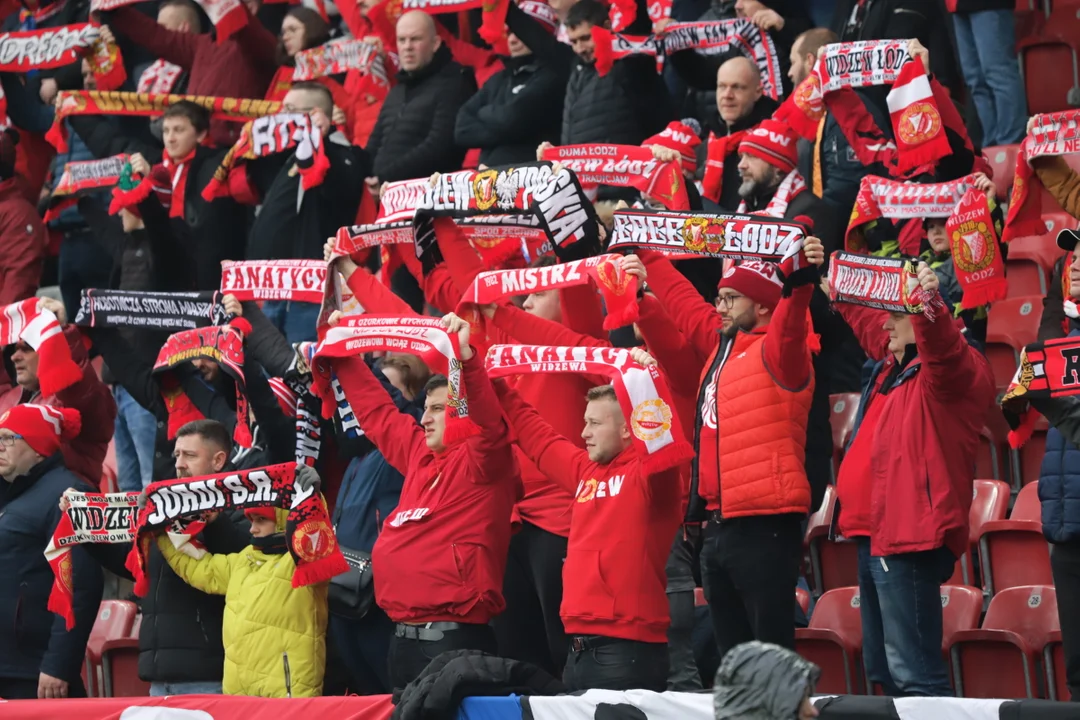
(441, 554)
(614, 578)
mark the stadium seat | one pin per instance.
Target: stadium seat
(989, 502)
(1011, 324)
(961, 608)
(843, 408)
(991, 459)
(1028, 459)
(1041, 250)
(1014, 552)
(1054, 662)
(120, 669)
(1043, 60)
(803, 598)
(833, 563)
(834, 641)
(1025, 278)
(1001, 659)
(114, 621)
(1002, 159)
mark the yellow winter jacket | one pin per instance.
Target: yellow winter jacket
(264, 618)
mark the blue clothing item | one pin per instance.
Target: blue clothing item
(135, 434)
(986, 42)
(1059, 486)
(364, 647)
(900, 607)
(163, 689)
(295, 320)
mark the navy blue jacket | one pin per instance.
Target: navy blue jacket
(1059, 477)
(32, 639)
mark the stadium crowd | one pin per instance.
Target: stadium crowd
(484, 491)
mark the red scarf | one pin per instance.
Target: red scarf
(492, 25)
(883, 283)
(293, 280)
(159, 78)
(82, 177)
(624, 166)
(881, 197)
(1053, 134)
(789, 189)
(42, 331)
(976, 255)
(716, 152)
(1048, 369)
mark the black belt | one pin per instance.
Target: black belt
(581, 643)
(428, 632)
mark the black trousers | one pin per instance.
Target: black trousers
(409, 657)
(749, 569)
(530, 629)
(616, 664)
(1065, 564)
(684, 676)
(26, 689)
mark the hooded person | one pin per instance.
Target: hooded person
(761, 681)
(39, 657)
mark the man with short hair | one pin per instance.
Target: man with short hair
(39, 657)
(414, 135)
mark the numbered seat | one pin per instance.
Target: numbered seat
(834, 641)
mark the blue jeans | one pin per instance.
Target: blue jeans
(900, 607)
(364, 647)
(135, 434)
(986, 41)
(295, 320)
(162, 689)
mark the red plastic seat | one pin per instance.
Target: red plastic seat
(803, 598)
(961, 608)
(1025, 278)
(834, 641)
(1054, 662)
(833, 563)
(1042, 249)
(1028, 459)
(114, 621)
(843, 408)
(989, 502)
(1014, 552)
(1002, 159)
(1001, 659)
(120, 669)
(1044, 59)
(991, 460)
(1011, 324)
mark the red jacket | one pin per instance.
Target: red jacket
(240, 67)
(85, 454)
(440, 556)
(922, 465)
(22, 245)
(614, 578)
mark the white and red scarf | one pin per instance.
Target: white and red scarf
(398, 200)
(883, 283)
(294, 280)
(624, 166)
(976, 254)
(270, 135)
(1052, 134)
(228, 16)
(424, 337)
(83, 177)
(622, 13)
(502, 240)
(788, 190)
(160, 78)
(40, 329)
(338, 57)
(881, 197)
(493, 22)
(642, 393)
(918, 128)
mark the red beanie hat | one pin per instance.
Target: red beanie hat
(682, 137)
(757, 280)
(541, 12)
(774, 142)
(263, 512)
(42, 427)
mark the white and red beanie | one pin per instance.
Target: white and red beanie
(774, 142)
(542, 12)
(682, 136)
(758, 280)
(43, 427)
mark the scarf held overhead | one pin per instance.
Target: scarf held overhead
(155, 310)
(1048, 369)
(94, 102)
(160, 78)
(1051, 135)
(884, 198)
(295, 280)
(624, 166)
(82, 177)
(228, 16)
(23, 321)
(980, 268)
(642, 393)
(340, 56)
(310, 538)
(492, 25)
(884, 283)
(424, 337)
(91, 518)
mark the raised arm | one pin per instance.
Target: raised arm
(787, 354)
(678, 358)
(696, 319)
(439, 287)
(528, 329)
(209, 573)
(868, 326)
(175, 47)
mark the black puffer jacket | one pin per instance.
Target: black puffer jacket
(414, 135)
(625, 106)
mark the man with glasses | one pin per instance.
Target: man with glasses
(84, 453)
(748, 480)
(39, 657)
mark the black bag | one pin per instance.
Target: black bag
(352, 592)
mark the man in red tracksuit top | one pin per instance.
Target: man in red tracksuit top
(439, 559)
(614, 606)
(748, 480)
(906, 483)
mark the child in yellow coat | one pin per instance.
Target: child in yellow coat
(265, 616)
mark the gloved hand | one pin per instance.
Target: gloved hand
(307, 479)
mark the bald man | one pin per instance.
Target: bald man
(414, 135)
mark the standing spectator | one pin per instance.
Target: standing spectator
(929, 390)
(302, 29)
(22, 236)
(986, 40)
(39, 658)
(439, 576)
(414, 136)
(520, 106)
(84, 453)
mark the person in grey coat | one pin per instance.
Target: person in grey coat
(762, 681)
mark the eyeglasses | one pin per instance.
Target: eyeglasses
(728, 301)
(9, 440)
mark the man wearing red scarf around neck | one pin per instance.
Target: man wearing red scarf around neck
(748, 480)
(439, 560)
